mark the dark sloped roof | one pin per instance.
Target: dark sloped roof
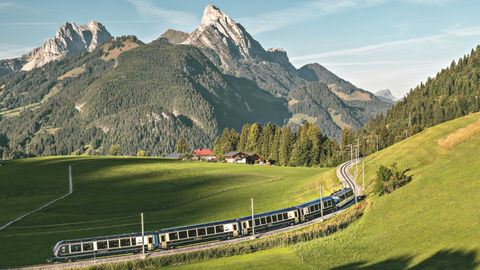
(230, 154)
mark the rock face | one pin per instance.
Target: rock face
(234, 51)
(387, 96)
(69, 39)
(225, 37)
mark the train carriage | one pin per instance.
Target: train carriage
(72, 250)
(343, 197)
(312, 209)
(187, 235)
(270, 220)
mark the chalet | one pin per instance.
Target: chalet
(233, 157)
(251, 157)
(203, 154)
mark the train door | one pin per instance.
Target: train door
(235, 229)
(297, 218)
(163, 241)
(150, 243)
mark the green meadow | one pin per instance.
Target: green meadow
(109, 193)
(431, 223)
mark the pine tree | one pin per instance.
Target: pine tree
(182, 146)
(253, 139)
(242, 142)
(286, 145)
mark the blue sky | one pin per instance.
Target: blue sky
(375, 44)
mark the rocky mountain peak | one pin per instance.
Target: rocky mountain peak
(279, 55)
(69, 39)
(224, 37)
(386, 95)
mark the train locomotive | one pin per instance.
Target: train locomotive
(72, 250)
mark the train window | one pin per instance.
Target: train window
(75, 248)
(219, 229)
(257, 222)
(162, 238)
(316, 207)
(325, 204)
(150, 240)
(101, 244)
(280, 217)
(113, 243)
(285, 216)
(312, 208)
(202, 231)
(210, 230)
(274, 218)
(134, 241)
(269, 219)
(182, 234)
(263, 221)
(125, 242)
(192, 233)
(172, 236)
(63, 250)
(249, 223)
(87, 246)
(234, 227)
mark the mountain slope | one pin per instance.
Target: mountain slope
(431, 223)
(453, 93)
(69, 39)
(146, 98)
(174, 36)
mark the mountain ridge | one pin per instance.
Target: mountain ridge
(69, 39)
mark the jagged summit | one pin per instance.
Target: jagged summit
(69, 39)
(386, 95)
(224, 36)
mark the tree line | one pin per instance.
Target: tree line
(306, 146)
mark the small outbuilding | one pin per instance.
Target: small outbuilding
(233, 157)
(176, 155)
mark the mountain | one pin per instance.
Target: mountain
(234, 51)
(387, 96)
(174, 36)
(69, 39)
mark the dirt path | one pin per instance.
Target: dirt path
(45, 205)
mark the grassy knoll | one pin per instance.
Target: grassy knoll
(431, 223)
(170, 193)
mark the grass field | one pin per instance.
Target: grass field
(431, 223)
(116, 190)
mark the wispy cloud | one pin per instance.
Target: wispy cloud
(149, 11)
(463, 32)
(314, 10)
(27, 23)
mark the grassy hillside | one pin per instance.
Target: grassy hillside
(431, 223)
(110, 193)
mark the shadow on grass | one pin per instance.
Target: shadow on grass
(443, 259)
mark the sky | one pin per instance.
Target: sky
(375, 44)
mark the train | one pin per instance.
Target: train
(72, 250)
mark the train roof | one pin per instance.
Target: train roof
(341, 192)
(316, 201)
(181, 228)
(269, 213)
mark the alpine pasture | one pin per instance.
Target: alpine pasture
(109, 193)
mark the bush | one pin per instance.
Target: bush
(142, 153)
(390, 179)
